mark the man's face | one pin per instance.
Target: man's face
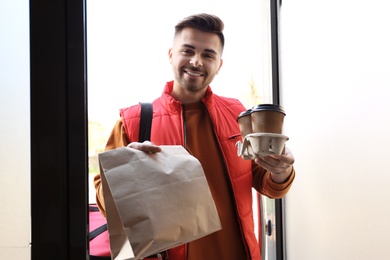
(196, 59)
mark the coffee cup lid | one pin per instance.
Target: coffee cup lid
(268, 107)
(244, 113)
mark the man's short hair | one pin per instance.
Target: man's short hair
(203, 22)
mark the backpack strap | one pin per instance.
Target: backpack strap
(94, 233)
(146, 121)
(97, 231)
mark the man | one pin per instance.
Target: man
(188, 113)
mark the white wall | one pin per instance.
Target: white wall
(336, 92)
(15, 130)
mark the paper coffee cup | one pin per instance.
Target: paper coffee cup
(267, 118)
(245, 122)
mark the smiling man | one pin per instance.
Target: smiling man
(188, 113)
(196, 59)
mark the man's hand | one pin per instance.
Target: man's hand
(280, 166)
(147, 147)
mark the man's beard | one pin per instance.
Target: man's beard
(193, 84)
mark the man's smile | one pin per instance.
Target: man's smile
(193, 73)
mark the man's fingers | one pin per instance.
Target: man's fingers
(146, 146)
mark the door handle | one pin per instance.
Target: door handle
(268, 228)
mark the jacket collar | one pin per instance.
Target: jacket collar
(174, 106)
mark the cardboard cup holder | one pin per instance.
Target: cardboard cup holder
(261, 145)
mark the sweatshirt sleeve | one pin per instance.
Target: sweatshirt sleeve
(118, 138)
(264, 184)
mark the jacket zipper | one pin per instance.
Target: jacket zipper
(183, 111)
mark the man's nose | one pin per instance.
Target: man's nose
(196, 61)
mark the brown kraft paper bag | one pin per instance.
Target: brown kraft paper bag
(155, 201)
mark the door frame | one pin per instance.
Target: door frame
(59, 155)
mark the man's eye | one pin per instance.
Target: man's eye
(186, 51)
(208, 56)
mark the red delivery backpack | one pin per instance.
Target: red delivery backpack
(99, 243)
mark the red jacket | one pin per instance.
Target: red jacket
(168, 129)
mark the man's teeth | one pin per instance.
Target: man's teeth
(193, 73)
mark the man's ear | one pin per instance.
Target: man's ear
(170, 55)
(220, 65)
